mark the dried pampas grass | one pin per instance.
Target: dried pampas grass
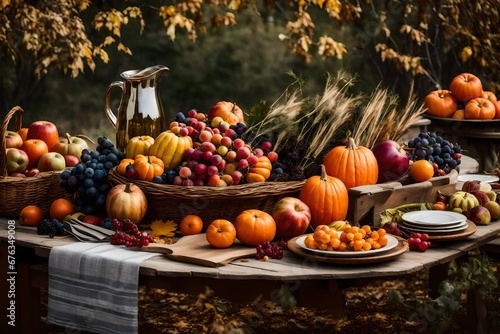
(320, 122)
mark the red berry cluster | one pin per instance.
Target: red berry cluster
(271, 250)
(419, 242)
(128, 234)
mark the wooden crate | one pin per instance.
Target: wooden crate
(367, 202)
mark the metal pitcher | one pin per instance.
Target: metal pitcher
(140, 111)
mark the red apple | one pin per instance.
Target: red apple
(45, 131)
(71, 160)
(51, 161)
(392, 161)
(17, 160)
(292, 217)
(13, 139)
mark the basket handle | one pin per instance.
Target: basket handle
(6, 121)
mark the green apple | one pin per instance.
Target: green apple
(17, 160)
(51, 161)
(13, 139)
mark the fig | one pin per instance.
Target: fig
(470, 186)
(481, 196)
(479, 215)
(392, 228)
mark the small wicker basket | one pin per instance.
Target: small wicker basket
(170, 202)
(15, 192)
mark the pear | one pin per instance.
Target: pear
(492, 195)
(494, 209)
(76, 215)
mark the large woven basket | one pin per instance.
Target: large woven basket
(15, 192)
(170, 202)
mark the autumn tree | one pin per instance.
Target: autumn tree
(422, 40)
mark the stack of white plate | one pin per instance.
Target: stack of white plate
(434, 222)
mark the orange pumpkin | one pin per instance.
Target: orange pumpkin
(497, 109)
(228, 111)
(480, 108)
(122, 166)
(148, 167)
(126, 201)
(138, 145)
(261, 171)
(440, 103)
(354, 165)
(221, 233)
(326, 197)
(254, 227)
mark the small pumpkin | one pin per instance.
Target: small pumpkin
(228, 111)
(138, 145)
(170, 147)
(354, 165)
(440, 103)
(466, 86)
(254, 227)
(261, 171)
(126, 201)
(327, 198)
(122, 166)
(463, 200)
(480, 108)
(148, 167)
(221, 233)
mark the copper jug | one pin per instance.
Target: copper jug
(140, 111)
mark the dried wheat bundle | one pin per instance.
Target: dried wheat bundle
(382, 120)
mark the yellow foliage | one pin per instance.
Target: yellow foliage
(159, 228)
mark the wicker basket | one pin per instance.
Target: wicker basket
(169, 202)
(15, 192)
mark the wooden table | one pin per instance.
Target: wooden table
(313, 284)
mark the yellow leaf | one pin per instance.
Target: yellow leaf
(160, 228)
(466, 54)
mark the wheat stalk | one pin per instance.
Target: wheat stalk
(382, 120)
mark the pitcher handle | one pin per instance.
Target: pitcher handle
(107, 108)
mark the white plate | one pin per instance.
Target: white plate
(453, 227)
(477, 177)
(436, 231)
(433, 217)
(392, 242)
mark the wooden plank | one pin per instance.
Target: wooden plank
(367, 202)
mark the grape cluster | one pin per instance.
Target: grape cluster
(50, 227)
(271, 250)
(444, 155)
(88, 178)
(419, 242)
(128, 234)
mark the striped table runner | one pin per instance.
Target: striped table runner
(94, 287)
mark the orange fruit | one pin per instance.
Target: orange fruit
(421, 170)
(23, 132)
(60, 208)
(191, 224)
(31, 215)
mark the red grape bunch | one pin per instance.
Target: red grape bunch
(128, 234)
